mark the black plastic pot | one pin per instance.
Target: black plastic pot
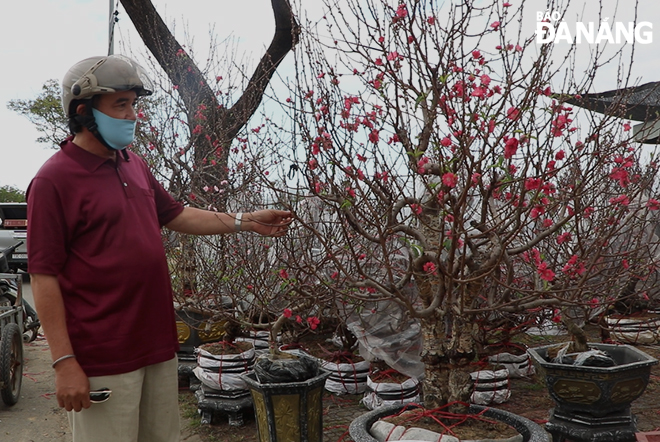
(289, 411)
(597, 391)
(530, 432)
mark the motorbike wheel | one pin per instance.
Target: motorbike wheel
(11, 363)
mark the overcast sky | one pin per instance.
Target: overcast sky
(41, 39)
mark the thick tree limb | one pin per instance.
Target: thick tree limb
(222, 123)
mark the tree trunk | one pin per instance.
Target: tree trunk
(219, 125)
(446, 356)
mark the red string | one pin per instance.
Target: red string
(441, 416)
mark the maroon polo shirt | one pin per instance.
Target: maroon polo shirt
(96, 225)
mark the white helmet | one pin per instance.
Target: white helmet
(103, 75)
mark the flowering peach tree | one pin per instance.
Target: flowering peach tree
(439, 153)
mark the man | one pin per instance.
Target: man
(99, 272)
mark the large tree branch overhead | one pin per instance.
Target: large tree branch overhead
(224, 124)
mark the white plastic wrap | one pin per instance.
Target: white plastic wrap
(387, 334)
(635, 330)
(519, 366)
(223, 372)
(380, 394)
(346, 378)
(490, 387)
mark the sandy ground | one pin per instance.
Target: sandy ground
(36, 417)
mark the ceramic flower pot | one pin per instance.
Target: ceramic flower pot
(596, 391)
(289, 411)
(531, 432)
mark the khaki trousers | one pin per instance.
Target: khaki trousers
(143, 407)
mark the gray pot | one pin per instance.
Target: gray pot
(597, 391)
(530, 432)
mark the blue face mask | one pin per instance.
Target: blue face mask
(117, 133)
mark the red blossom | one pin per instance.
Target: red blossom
(287, 313)
(653, 204)
(510, 147)
(450, 179)
(564, 237)
(621, 199)
(430, 268)
(313, 322)
(545, 273)
(283, 274)
(513, 113)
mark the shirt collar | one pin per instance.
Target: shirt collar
(86, 159)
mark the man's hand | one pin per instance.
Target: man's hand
(269, 222)
(72, 385)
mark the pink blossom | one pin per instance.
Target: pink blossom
(476, 54)
(513, 113)
(495, 25)
(430, 20)
(626, 127)
(536, 212)
(430, 268)
(479, 92)
(506, 4)
(510, 147)
(560, 155)
(416, 208)
(547, 223)
(533, 183)
(298, 319)
(401, 11)
(373, 136)
(621, 175)
(449, 179)
(545, 273)
(485, 80)
(287, 313)
(393, 56)
(564, 237)
(653, 204)
(313, 322)
(446, 142)
(621, 199)
(283, 274)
